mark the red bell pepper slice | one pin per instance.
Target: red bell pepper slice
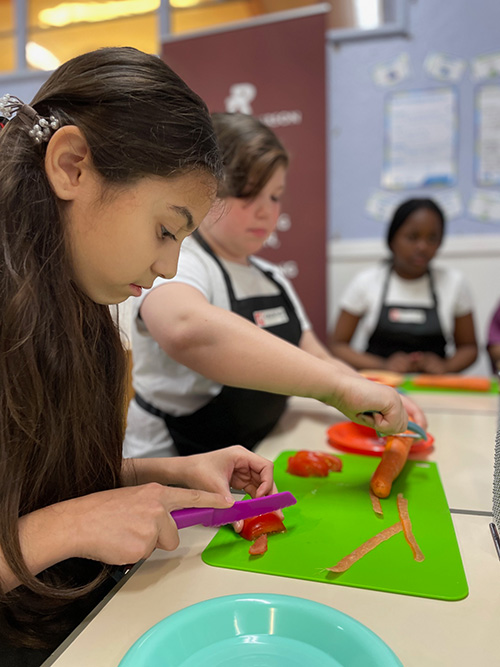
(259, 547)
(306, 463)
(260, 525)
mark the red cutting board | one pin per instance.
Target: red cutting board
(333, 516)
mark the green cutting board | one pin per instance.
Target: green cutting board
(409, 385)
(334, 515)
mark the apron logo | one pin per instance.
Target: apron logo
(271, 317)
(407, 315)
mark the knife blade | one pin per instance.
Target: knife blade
(242, 509)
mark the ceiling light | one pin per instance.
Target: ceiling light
(80, 12)
(39, 57)
(182, 4)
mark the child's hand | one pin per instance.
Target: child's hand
(231, 467)
(400, 362)
(122, 526)
(371, 404)
(415, 413)
(431, 363)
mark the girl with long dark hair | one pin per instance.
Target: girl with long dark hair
(112, 164)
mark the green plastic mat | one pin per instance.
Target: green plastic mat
(408, 385)
(334, 515)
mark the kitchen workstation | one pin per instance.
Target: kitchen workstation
(210, 596)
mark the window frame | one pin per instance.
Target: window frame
(21, 69)
(399, 26)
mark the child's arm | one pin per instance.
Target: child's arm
(119, 526)
(218, 471)
(228, 349)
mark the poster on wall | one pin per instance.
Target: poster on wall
(444, 67)
(420, 139)
(486, 66)
(488, 135)
(484, 205)
(392, 73)
(274, 68)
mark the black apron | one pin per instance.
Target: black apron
(404, 328)
(236, 416)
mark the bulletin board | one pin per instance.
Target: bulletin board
(449, 65)
(420, 139)
(488, 135)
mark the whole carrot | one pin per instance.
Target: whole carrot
(393, 460)
(453, 381)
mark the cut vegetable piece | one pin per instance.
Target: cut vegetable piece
(406, 523)
(366, 547)
(391, 464)
(376, 504)
(306, 463)
(383, 377)
(333, 462)
(258, 525)
(259, 547)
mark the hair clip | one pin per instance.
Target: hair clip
(39, 128)
(6, 104)
(42, 130)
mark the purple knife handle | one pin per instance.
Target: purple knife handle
(242, 509)
(191, 516)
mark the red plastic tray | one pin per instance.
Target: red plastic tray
(357, 439)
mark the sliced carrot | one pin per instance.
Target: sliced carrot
(259, 547)
(406, 523)
(392, 463)
(366, 547)
(377, 506)
(453, 381)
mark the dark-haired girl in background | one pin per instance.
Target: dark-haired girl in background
(414, 318)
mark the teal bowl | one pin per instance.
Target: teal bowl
(259, 630)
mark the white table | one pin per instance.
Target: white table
(422, 632)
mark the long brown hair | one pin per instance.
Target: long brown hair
(62, 365)
(251, 152)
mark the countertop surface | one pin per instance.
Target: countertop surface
(421, 631)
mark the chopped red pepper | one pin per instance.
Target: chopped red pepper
(260, 525)
(259, 547)
(313, 464)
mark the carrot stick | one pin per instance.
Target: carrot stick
(366, 547)
(392, 463)
(406, 523)
(453, 381)
(377, 507)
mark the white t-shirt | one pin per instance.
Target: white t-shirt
(363, 298)
(168, 385)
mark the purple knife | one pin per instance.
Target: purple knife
(242, 509)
